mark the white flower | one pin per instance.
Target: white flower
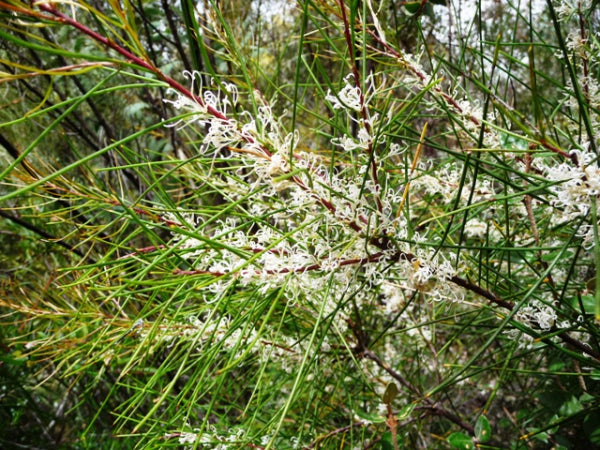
(186, 437)
(278, 165)
(537, 313)
(422, 274)
(476, 228)
(578, 186)
(349, 143)
(348, 98)
(576, 43)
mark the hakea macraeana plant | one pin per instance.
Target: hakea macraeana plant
(353, 233)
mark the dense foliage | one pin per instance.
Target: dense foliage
(351, 224)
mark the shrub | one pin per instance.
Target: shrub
(332, 230)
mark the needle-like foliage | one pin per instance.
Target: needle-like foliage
(351, 224)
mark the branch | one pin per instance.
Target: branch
(40, 232)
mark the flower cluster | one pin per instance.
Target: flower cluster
(576, 190)
(211, 110)
(567, 8)
(537, 315)
(212, 438)
(305, 256)
(349, 97)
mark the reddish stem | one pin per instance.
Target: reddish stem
(63, 18)
(363, 106)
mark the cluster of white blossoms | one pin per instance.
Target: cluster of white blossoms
(211, 438)
(313, 223)
(446, 181)
(214, 439)
(352, 100)
(211, 110)
(348, 98)
(583, 50)
(576, 190)
(537, 315)
(567, 8)
(540, 314)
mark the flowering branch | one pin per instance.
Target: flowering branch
(363, 106)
